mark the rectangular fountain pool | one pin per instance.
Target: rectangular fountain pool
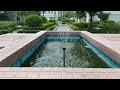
(79, 52)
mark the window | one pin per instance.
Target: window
(18, 18)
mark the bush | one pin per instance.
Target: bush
(51, 27)
(77, 24)
(68, 20)
(21, 23)
(52, 20)
(110, 22)
(7, 25)
(25, 27)
(44, 19)
(48, 24)
(34, 28)
(28, 31)
(81, 25)
(109, 27)
(33, 20)
(4, 31)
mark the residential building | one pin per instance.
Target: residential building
(52, 15)
(112, 15)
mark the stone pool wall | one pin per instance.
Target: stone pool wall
(102, 44)
(10, 54)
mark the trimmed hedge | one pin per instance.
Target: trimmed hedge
(51, 27)
(5, 31)
(44, 19)
(81, 25)
(21, 23)
(25, 27)
(33, 20)
(7, 25)
(48, 25)
(52, 20)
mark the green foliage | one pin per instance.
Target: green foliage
(35, 28)
(48, 24)
(7, 25)
(81, 25)
(5, 31)
(109, 22)
(7, 15)
(26, 13)
(111, 27)
(52, 20)
(69, 14)
(67, 20)
(44, 19)
(33, 20)
(51, 27)
(21, 23)
(80, 14)
(25, 27)
(28, 31)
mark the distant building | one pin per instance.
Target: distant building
(18, 17)
(52, 15)
(112, 15)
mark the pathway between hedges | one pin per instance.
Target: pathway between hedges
(63, 27)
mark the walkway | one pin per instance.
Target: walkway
(58, 73)
(63, 27)
(11, 38)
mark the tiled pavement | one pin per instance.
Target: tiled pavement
(63, 28)
(7, 39)
(111, 40)
(58, 73)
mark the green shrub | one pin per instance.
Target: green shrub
(68, 20)
(52, 20)
(33, 20)
(81, 25)
(25, 27)
(7, 25)
(28, 31)
(48, 24)
(110, 22)
(4, 31)
(44, 19)
(34, 28)
(77, 24)
(43, 27)
(21, 23)
(51, 27)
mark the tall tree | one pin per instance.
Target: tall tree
(69, 14)
(80, 14)
(7, 15)
(26, 13)
(93, 13)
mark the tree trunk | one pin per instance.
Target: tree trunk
(54, 15)
(91, 22)
(43, 13)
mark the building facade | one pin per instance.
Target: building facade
(52, 15)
